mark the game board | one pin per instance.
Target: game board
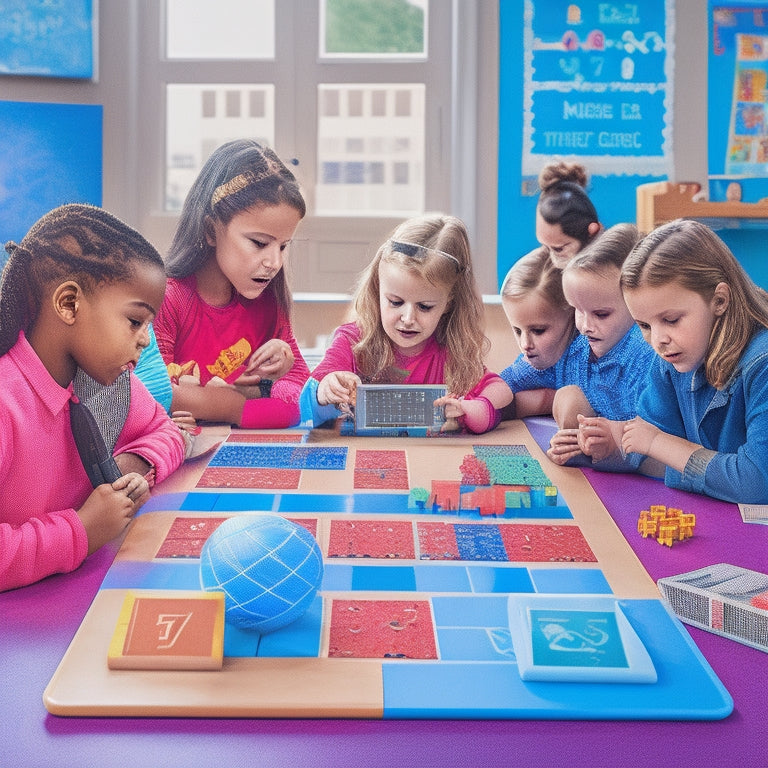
(424, 541)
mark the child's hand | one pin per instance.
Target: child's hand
(270, 361)
(639, 436)
(598, 436)
(109, 509)
(185, 421)
(564, 446)
(338, 388)
(455, 408)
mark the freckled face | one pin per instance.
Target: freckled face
(542, 330)
(411, 307)
(562, 248)
(250, 248)
(675, 321)
(600, 312)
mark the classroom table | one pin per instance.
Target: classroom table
(38, 622)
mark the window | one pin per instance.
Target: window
(355, 94)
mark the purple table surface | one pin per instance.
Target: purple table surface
(38, 622)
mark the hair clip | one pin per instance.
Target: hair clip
(420, 252)
(242, 181)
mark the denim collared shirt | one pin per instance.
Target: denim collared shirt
(731, 425)
(610, 383)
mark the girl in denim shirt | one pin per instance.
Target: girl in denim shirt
(704, 410)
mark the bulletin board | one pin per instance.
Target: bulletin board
(48, 39)
(593, 83)
(738, 98)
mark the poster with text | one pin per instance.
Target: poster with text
(598, 85)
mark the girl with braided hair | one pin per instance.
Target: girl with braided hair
(77, 297)
(224, 328)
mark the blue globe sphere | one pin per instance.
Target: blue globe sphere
(269, 569)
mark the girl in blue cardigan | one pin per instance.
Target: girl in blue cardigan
(704, 410)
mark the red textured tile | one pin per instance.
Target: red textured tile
(250, 437)
(546, 543)
(380, 460)
(381, 539)
(437, 541)
(186, 536)
(249, 477)
(382, 629)
(381, 479)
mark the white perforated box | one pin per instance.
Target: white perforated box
(720, 598)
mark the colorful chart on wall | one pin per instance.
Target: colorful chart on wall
(423, 541)
(47, 39)
(593, 84)
(737, 103)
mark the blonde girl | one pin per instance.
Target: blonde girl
(419, 319)
(542, 322)
(704, 411)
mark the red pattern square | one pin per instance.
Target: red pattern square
(546, 544)
(381, 539)
(249, 477)
(382, 629)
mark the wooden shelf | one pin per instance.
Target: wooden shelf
(662, 201)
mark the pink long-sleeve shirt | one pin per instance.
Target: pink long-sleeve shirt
(42, 479)
(187, 328)
(428, 367)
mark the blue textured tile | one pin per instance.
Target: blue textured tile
(282, 456)
(480, 542)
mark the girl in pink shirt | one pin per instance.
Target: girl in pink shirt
(77, 297)
(224, 328)
(419, 321)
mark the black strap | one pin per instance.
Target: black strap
(100, 466)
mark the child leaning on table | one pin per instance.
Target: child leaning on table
(77, 297)
(608, 364)
(704, 410)
(419, 321)
(224, 328)
(542, 322)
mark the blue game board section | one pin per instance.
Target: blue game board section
(280, 456)
(480, 543)
(360, 503)
(686, 689)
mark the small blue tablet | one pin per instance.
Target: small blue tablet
(576, 639)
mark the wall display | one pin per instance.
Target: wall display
(598, 85)
(48, 39)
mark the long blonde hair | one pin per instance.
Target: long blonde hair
(460, 330)
(691, 255)
(535, 273)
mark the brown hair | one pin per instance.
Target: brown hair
(690, 254)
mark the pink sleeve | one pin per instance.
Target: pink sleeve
(338, 356)
(492, 416)
(150, 433)
(41, 546)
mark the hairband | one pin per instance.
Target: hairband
(244, 180)
(420, 252)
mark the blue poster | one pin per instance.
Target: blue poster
(47, 38)
(52, 156)
(598, 86)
